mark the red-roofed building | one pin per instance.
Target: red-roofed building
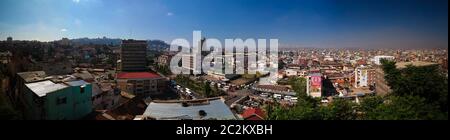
(361, 62)
(137, 75)
(253, 114)
(141, 83)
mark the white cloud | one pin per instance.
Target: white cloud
(169, 14)
(63, 30)
(76, 1)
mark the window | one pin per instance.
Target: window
(61, 100)
(82, 89)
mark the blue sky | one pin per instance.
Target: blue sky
(296, 23)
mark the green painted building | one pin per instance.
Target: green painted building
(47, 100)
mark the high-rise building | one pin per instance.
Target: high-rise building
(192, 61)
(133, 55)
(189, 62)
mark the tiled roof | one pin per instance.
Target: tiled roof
(253, 114)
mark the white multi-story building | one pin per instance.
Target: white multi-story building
(377, 59)
(291, 72)
(364, 76)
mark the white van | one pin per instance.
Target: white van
(277, 96)
(294, 99)
(287, 98)
(324, 101)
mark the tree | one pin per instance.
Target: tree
(426, 82)
(305, 109)
(369, 104)
(207, 89)
(339, 109)
(298, 84)
(405, 108)
(6, 111)
(281, 64)
(216, 87)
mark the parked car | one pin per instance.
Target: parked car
(287, 98)
(277, 96)
(264, 95)
(294, 99)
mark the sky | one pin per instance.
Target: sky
(296, 23)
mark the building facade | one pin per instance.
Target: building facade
(164, 60)
(5, 57)
(48, 100)
(314, 85)
(364, 77)
(133, 55)
(105, 96)
(381, 87)
(141, 83)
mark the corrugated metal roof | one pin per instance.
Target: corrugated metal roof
(96, 90)
(32, 76)
(44, 87)
(315, 74)
(77, 83)
(216, 109)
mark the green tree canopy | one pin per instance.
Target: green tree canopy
(426, 82)
(298, 84)
(403, 108)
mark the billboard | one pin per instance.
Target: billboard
(316, 80)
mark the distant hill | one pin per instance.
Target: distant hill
(152, 44)
(96, 41)
(157, 45)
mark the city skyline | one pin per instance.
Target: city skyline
(303, 24)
